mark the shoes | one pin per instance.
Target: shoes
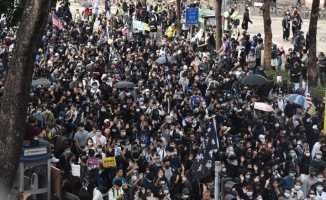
(54, 159)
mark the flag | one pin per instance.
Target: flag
(204, 161)
(56, 22)
(308, 102)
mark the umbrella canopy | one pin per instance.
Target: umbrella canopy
(297, 99)
(263, 107)
(125, 84)
(253, 79)
(85, 4)
(164, 60)
(41, 81)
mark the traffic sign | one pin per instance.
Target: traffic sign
(192, 15)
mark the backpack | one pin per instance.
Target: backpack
(83, 194)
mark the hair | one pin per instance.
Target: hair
(118, 182)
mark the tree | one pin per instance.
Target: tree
(13, 9)
(218, 11)
(268, 34)
(17, 89)
(312, 68)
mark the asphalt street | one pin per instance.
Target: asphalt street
(258, 27)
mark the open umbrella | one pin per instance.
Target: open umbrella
(164, 60)
(85, 4)
(41, 81)
(263, 107)
(253, 79)
(296, 98)
(125, 84)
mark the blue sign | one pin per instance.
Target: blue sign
(192, 15)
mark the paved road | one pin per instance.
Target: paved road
(258, 27)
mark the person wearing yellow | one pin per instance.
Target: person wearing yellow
(170, 32)
(235, 15)
(158, 8)
(77, 16)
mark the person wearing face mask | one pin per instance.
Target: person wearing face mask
(309, 181)
(288, 181)
(319, 190)
(80, 137)
(99, 139)
(247, 193)
(41, 120)
(311, 195)
(317, 145)
(185, 194)
(296, 192)
(287, 193)
(245, 178)
(317, 163)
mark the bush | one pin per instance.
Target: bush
(317, 93)
(275, 73)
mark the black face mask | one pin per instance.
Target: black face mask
(232, 157)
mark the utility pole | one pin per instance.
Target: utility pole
(178, 2)
(219, 24)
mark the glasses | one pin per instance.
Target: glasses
(241, 142)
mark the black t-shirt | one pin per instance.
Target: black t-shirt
(153, 26)
(322, 62)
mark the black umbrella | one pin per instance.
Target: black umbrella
(125, 84)
(164, 60)
(253, 79)
(85, 4)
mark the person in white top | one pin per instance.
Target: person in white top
(99, 139)
(116, 191)
(317, 145)
(296, 191)
(319, 191)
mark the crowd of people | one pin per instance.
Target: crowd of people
(155, 127)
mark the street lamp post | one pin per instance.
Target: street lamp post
(217, 180)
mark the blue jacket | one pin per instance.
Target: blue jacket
(287, 182)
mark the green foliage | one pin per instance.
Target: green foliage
(275, 73)
(317, 93)
(13, 9)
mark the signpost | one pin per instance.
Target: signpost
(192, 18)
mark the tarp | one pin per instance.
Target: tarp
(41, 81)
(141, 26)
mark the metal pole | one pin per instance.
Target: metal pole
(217, 179)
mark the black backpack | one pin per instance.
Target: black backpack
(84, 194)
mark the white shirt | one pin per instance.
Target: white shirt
(322, 195)
(101, 141)
(96, 3)
(161, 152)
(113, 193)
(315, 149)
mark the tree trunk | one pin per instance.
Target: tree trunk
(219, 24)
(268, 34)
(17, 87)
(178, 2)
(312, 68)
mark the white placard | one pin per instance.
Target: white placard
(75, 170)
